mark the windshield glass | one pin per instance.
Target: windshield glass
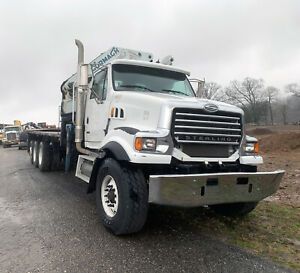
(7, 129)
(148, 79)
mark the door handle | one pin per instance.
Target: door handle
(88, 132)
(87, 120)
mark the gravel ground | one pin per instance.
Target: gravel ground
(49, 224)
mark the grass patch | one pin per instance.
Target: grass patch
(271, 230)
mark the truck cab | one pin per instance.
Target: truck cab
(11, 135)
(130, 101)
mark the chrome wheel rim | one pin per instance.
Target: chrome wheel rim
(109, 196)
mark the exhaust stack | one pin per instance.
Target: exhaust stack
(81, 86)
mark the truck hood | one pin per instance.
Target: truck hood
(149, 110)
(191, 102)
(9, 132)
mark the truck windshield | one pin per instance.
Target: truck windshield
(148, 79)
(7, 129)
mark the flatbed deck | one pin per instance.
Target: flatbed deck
(45, 132)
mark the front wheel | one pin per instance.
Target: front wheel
(234, 209)
(122, 197)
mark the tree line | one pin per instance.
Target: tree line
(261, 104)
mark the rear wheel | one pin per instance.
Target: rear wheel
(44, 158)
(31, 147)
(35, 153)
(56, 158)
(122, 197)
(234, 209)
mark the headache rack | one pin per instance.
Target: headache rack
(201, 133)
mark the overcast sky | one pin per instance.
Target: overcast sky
(218, 40)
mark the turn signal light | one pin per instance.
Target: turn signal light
(145, 144)
(138, 143)
(256, 148)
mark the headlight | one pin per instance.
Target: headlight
(146, 144)
(251, 148)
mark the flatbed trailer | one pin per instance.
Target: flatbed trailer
(55, 153)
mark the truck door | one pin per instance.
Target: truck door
(96, 110)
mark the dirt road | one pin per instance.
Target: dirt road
(49, 224)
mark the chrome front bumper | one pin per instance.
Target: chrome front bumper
(207, 189)
(10, 142)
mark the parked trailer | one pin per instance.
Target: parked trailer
(137, 133)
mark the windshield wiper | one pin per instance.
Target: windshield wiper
(137, 86)
(174, 91)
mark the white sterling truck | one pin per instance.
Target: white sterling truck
(137, 134)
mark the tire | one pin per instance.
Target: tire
(35, 154)
(44, 158)
(5, 146)
(234, 209)
(129, 198)
(56, 158)
(31, 148)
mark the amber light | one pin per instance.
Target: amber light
(256, 148)
(112, 111)
(138, 143)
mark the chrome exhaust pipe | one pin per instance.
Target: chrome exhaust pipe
(81, 86)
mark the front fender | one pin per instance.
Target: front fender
(116, 150)
(121, 144)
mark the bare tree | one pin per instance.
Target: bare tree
(271, 93)
(248, 94)
(293, 88)
(211, 89)
(283, 110)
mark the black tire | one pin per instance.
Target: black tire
(56, 158)
(234, 209)
(35, 154)
(5, 146)
(132, 192)
(44, 158)
(30, 151)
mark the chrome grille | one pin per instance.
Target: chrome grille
(199, 127)
(11, 136)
